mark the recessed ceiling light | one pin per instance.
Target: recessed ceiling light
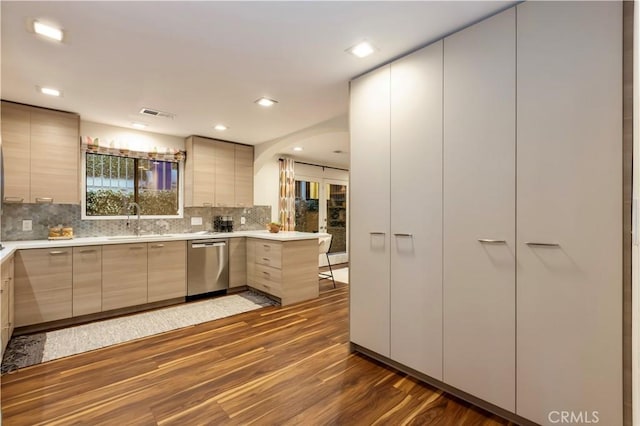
(361, 49)
(265, 102)
(297, 148)
(47, 31)
(220, 127)
(49, 91)
(139, 125)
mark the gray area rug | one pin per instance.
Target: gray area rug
(27, 350)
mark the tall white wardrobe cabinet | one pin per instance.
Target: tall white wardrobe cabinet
(486, 212)
(395, 172)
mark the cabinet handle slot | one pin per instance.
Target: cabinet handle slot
(534, 244)
(88, 251)
(13, 200)
(266, 273)
(57, 252)
(157, 246)
(378, 233)
(403, 235)
(44, 200)
(266, 259)
(489, 241)
(136, 248)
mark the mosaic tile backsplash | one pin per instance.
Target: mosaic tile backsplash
(45, 215)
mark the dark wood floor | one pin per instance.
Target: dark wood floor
(274, 366)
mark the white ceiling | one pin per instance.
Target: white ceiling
(206, 62)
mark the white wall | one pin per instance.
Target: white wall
(266, 183)
(134, 139)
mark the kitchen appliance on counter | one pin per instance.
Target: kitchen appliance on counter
(207, 267)
(223, 223)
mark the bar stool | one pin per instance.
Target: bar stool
(324, 243)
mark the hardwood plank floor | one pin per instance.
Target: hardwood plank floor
(274, 366)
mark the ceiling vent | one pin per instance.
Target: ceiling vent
(156, 113)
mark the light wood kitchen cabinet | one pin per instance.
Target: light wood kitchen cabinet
(41, 155)
(124, 275)
(416, 214)
(287, 270)
(87, 280)
(16, 149)
(237, 262)
(199, 172)
(43, 285)
(479, 210)
(225, 174)
(218, 173)
(7, 316)
(167, 270)
(569, 209)
(243, 175)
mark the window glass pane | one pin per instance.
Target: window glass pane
(113, 182)
(158, 187)
(107, 191)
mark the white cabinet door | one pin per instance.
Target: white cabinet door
(416, 210)
(369, 266)
(569, 185)
(479, 210)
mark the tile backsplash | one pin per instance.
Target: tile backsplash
(45, 215)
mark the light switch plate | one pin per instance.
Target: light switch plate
(27, 225)
(196, 221)
(243, 220)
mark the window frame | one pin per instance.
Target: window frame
(83, 197)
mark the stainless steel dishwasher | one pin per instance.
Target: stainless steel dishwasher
(207, 266)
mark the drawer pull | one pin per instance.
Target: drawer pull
(88, 251)
(403, 235)
(377, 233)
(157, 246)
(57, 252)
(489, 241)
(266, 273)
(44, 200)
(534, 244)
(13, 199)
(136, 248)
(266, 259)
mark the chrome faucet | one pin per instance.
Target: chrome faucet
(136, 229)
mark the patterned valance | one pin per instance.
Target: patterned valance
(122, 149)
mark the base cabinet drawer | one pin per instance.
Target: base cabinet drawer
(7, 302)
(167, 270)
(87, 280)
(270, 278)
(124, 275)
(43, 285)
(269, 253)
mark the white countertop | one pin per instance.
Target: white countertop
(11, 246)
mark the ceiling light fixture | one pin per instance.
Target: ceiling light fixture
(362, 49)
(220, 127)
(297, 148)
(265, 102)
(47, 31)
(139, 125)
(49, 91)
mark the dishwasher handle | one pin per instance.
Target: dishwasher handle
(205, 245)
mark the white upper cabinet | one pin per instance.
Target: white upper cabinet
(569, 182)
(370, 239)
(479, 209)
(416, 210)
